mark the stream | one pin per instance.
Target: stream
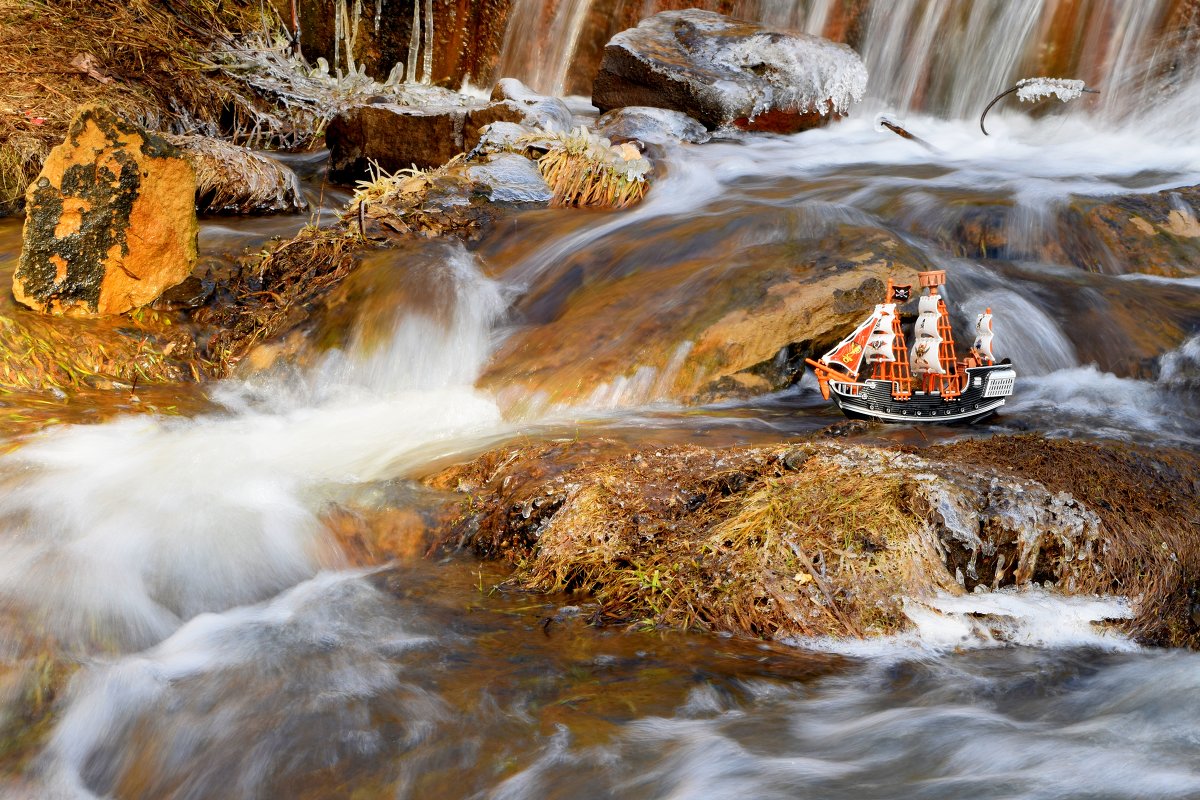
(228, 648)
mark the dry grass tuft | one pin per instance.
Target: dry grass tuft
(275, 294)
(418, 203)
(585, 170)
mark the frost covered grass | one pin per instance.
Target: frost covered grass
(770, 542)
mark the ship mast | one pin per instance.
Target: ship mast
(896, 369)
(944, 377)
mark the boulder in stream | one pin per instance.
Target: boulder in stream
(111, 220)
(732, 322)
(727, 72)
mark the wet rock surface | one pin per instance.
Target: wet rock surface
(726, 72)
(828, 539)
(1157, 233)
(703, 328)
(110, 222)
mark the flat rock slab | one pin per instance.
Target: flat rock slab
(726, 72)
(394, 137)
(110, 221)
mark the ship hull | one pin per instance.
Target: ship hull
(987, 389)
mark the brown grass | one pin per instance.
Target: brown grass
(825, 540)
(275, 293)
(150, 61)
(39, 353)
(584, 171)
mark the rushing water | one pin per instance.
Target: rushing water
(227, 649)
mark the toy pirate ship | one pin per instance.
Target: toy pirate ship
(925, 384)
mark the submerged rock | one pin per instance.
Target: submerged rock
(726, 72)
(1157, 233)
(111, 220)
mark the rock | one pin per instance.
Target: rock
(399, 137)
(237, 180)
(726, 72)
(652, 125)
(726, 323)
(983, 514)
(1157, 234)
(110, 221)
(511, 178)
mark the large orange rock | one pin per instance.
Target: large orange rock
(110, 222)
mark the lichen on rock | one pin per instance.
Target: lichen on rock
(110, 223)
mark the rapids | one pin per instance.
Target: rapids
(226, 649)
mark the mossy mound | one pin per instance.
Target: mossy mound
(823, 539)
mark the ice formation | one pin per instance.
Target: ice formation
(802, 71)
(1030, 90)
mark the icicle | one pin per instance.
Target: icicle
(414, 42)
(378, 15)
(339, 9)
(427, 71)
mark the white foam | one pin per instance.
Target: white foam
(116, 533)
(1031, 616)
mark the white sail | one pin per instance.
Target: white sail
(983, 337)
(927, 339)
(885, 315)
(883, 335)
(880, 348)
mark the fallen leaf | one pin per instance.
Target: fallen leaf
(85, 63)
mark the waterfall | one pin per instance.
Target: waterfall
(941, 57)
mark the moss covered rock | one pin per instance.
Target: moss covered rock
(111, 221)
